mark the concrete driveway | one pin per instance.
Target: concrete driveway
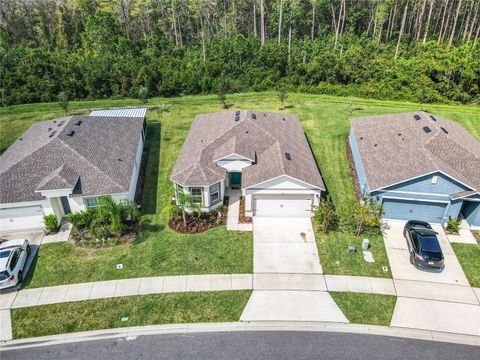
(398, 255)
(287, 280)
(285, 246)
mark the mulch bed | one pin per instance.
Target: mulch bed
(353, 171)
(84, 238)
(242, 219)
(194, 225)
(476, 235)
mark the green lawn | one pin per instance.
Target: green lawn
(336, 260)
(365, 308)
(469, 257)
(225, 306)
(160, 251)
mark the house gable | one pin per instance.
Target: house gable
(435, 183)
(283, 182)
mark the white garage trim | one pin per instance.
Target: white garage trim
(413, 199)
(285, 205)
(278, 177)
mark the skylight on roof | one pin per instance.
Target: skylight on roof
(417, 117)
(426, 129)
(287, 156)
(444, 130)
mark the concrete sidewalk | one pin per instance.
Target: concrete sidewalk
(126, 287)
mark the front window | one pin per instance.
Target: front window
(91, 203)
(196, 195)
(214, 193)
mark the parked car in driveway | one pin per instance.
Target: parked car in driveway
(13, 256)
(423, 245)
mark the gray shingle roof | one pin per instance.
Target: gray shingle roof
(265, 139)
(98, 158)
(395, 148)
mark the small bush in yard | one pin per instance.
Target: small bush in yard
(51, 222)
(453, 226)
(325, 216)
(82, 219)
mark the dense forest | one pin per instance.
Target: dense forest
(419, 50)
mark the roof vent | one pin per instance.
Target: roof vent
(375, 145)
(287, 156)
(77, 122)
(49, 129)
(60, 123)
(246, 132)
(433, 118)
(361, 137)
(426, 129)
(444, 130)
(237, 118)
(70, 132)
(20, 139)
(417, 117)
(399, 134)
(283, 119)
(52, 133)
(254, 116)
(237, 113)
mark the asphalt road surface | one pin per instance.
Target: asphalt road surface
(250, 345)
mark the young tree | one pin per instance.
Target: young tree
(63, 101)
(143, 94)
(325, 216)
(366, 215)
(185, 203)
(282, 95)
(222, 94)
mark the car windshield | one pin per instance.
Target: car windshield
(4, 275)
(4, 254)
(429, 244)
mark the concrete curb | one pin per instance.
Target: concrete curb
(131, 333)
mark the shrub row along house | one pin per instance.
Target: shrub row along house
(265, 155)
(418, 166)
(65, 165)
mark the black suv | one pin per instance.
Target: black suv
(423, 245)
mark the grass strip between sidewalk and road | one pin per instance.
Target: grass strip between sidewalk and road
(192, 307)
(469, 257)
(370, 309)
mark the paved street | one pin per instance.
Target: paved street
(250, 345)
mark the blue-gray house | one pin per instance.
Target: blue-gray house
(418, 166)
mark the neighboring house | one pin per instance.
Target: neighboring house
(65, 165)
(265, 155)
(418, 166)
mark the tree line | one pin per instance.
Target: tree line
(420, 50)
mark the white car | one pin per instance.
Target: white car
(13, 256)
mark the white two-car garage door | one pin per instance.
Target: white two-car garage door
(282, 205)
(21, 218)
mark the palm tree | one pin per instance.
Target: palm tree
(185, 203)
(116, 213)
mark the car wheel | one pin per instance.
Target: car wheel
(20, 277)
(412, 259)
(29, 250)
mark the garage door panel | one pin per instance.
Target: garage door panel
(28, 217)
(431, 212)
(282, 205)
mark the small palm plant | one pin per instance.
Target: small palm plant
(117, 213)
(186, 203)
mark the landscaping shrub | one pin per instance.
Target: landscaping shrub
(366, 216)
(82, 219)
(325, 216)
(453, 226)
(51, 222)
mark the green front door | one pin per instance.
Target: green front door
(235, 179)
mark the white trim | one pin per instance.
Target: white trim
(186, 186)
(40, 191)
(226, 157)
(466, 196)
(413, 193)
(413, 199)
(277, 177)
(416, 177)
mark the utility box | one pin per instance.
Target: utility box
(351, 249)
(365, 244)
